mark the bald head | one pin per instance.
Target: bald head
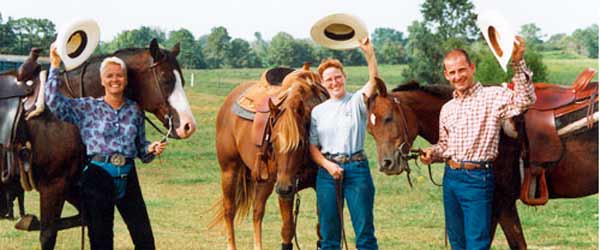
(456, 53)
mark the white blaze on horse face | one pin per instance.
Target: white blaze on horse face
(373, 118)
(177, 99)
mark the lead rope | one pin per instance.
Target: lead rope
(296, 213)
(340, 204)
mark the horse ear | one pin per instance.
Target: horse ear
(175, 49)
(155, 50)
(381, 87)
(306, 66)
(273, 108)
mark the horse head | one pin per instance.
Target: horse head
(393, 125)
(290, 131)
(156, 81)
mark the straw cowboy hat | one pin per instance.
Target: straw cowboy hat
(339, 31)
(498, 35)
(76, 42)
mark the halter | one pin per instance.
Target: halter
(168, 116)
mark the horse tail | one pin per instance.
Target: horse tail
(243, 200)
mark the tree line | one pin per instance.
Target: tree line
(445, 25)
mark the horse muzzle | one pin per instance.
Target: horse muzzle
(393, 165)
(285, 192)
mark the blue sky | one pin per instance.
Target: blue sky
(243, 18)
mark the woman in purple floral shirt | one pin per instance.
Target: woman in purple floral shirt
(112, 129)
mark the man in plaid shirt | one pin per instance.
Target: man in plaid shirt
(468, 142)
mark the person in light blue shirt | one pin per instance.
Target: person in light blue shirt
(112, 129)
(337, 135)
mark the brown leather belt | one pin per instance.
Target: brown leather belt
(344, 158)
(468, 165)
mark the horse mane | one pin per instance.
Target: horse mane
(301, 98)
(439, 90)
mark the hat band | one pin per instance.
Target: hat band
(339, 37)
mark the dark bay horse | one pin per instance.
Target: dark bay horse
(289, 157)
(154, 81)
(396, 118)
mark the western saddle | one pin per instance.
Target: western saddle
(557, 112)
(17, 100)
(256, 104)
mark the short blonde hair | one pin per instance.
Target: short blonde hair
(113, 60)
(328, 63)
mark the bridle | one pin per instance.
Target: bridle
(404, 152)
(168, 116)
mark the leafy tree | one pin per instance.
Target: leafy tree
(190, 55)
(7, 36)
(217, 45)
(532, 34)
(260, 47)
(389, 46)
(588, 40)
(488, 70)
(240, 55)
(446, 24)
(284, 50)
(136, 38)
(31, 32)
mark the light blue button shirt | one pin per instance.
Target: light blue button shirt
(338, 126)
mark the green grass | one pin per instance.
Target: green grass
(181, 187)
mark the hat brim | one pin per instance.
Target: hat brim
(498, 34)
(347, 41)
(91, 31)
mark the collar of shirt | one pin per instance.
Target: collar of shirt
(471, 91)
(126, 102)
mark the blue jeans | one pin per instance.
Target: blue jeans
(359, 193)
(468, 207)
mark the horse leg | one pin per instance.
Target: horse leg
(508, 217)
(263, 191)
(21, 201)
(51, 203)
(228, 185)
(287, 221)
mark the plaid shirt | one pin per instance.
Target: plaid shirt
(470, 124)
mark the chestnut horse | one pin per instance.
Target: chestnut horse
(395, 119)
(288, 160)
(154, 81)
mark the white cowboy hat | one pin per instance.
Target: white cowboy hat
(498, 35)
(339, 31)
(76, 42)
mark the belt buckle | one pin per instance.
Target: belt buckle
(117, 160)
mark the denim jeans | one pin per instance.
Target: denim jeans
(359, 193)
(468, 207)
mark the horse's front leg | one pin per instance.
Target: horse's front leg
(263, 191)
(52, 199)
(287, 222)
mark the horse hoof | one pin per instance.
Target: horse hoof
(288, 246)
(318, 245)
(28, 223)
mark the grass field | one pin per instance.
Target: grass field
(181, 187)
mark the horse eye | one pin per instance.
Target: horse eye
(388, 119)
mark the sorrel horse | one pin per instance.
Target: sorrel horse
(396, 118)
(154, 81)
(289, 157)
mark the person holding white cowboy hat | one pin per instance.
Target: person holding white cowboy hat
(337, 133)
(112, 130)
